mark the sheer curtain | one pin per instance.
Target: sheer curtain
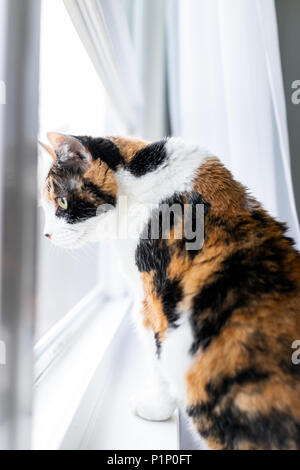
(226, 93)
(147, 24)
(102, 27)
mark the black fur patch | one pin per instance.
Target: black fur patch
(78, 210)
(232, 426)
(261, 218)
(171, 294)
(158, 344)
(148, 159)
(218, 391)
(195, 199)
(153, 255)
(104, 149)
(246, 274)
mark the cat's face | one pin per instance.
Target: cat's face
(78, 190)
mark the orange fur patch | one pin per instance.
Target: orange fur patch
(218, 187)
(128, 147)
(102, 176)
(154, 316)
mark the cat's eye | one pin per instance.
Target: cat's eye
(62, 202)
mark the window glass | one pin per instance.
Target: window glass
(72, 100)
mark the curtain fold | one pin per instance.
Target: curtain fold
(102, 27)
(146, 20)
(269, 31)
(226, 93)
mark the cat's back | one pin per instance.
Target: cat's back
(243, 387)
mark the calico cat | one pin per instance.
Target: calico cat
(218, 320)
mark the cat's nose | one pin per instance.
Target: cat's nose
(48, 235)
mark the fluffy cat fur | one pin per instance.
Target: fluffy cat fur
(219, 321)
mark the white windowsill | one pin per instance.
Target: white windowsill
(59, 392)
(113, 425)
(83, 400)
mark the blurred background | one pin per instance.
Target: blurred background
(221, 73)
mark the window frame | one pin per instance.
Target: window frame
(63, 333)
(18, 161)
(67, 388)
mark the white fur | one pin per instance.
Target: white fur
(176, 174)
(65, 152)
(154, 400)
(175, 358)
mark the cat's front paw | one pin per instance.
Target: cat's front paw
(154, 405)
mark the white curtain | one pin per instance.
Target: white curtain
(102, 27)
(226, 93)
(147, 23)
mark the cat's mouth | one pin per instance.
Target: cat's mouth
(70, 241)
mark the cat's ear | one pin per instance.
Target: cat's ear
(69, 149)
(49, 150)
